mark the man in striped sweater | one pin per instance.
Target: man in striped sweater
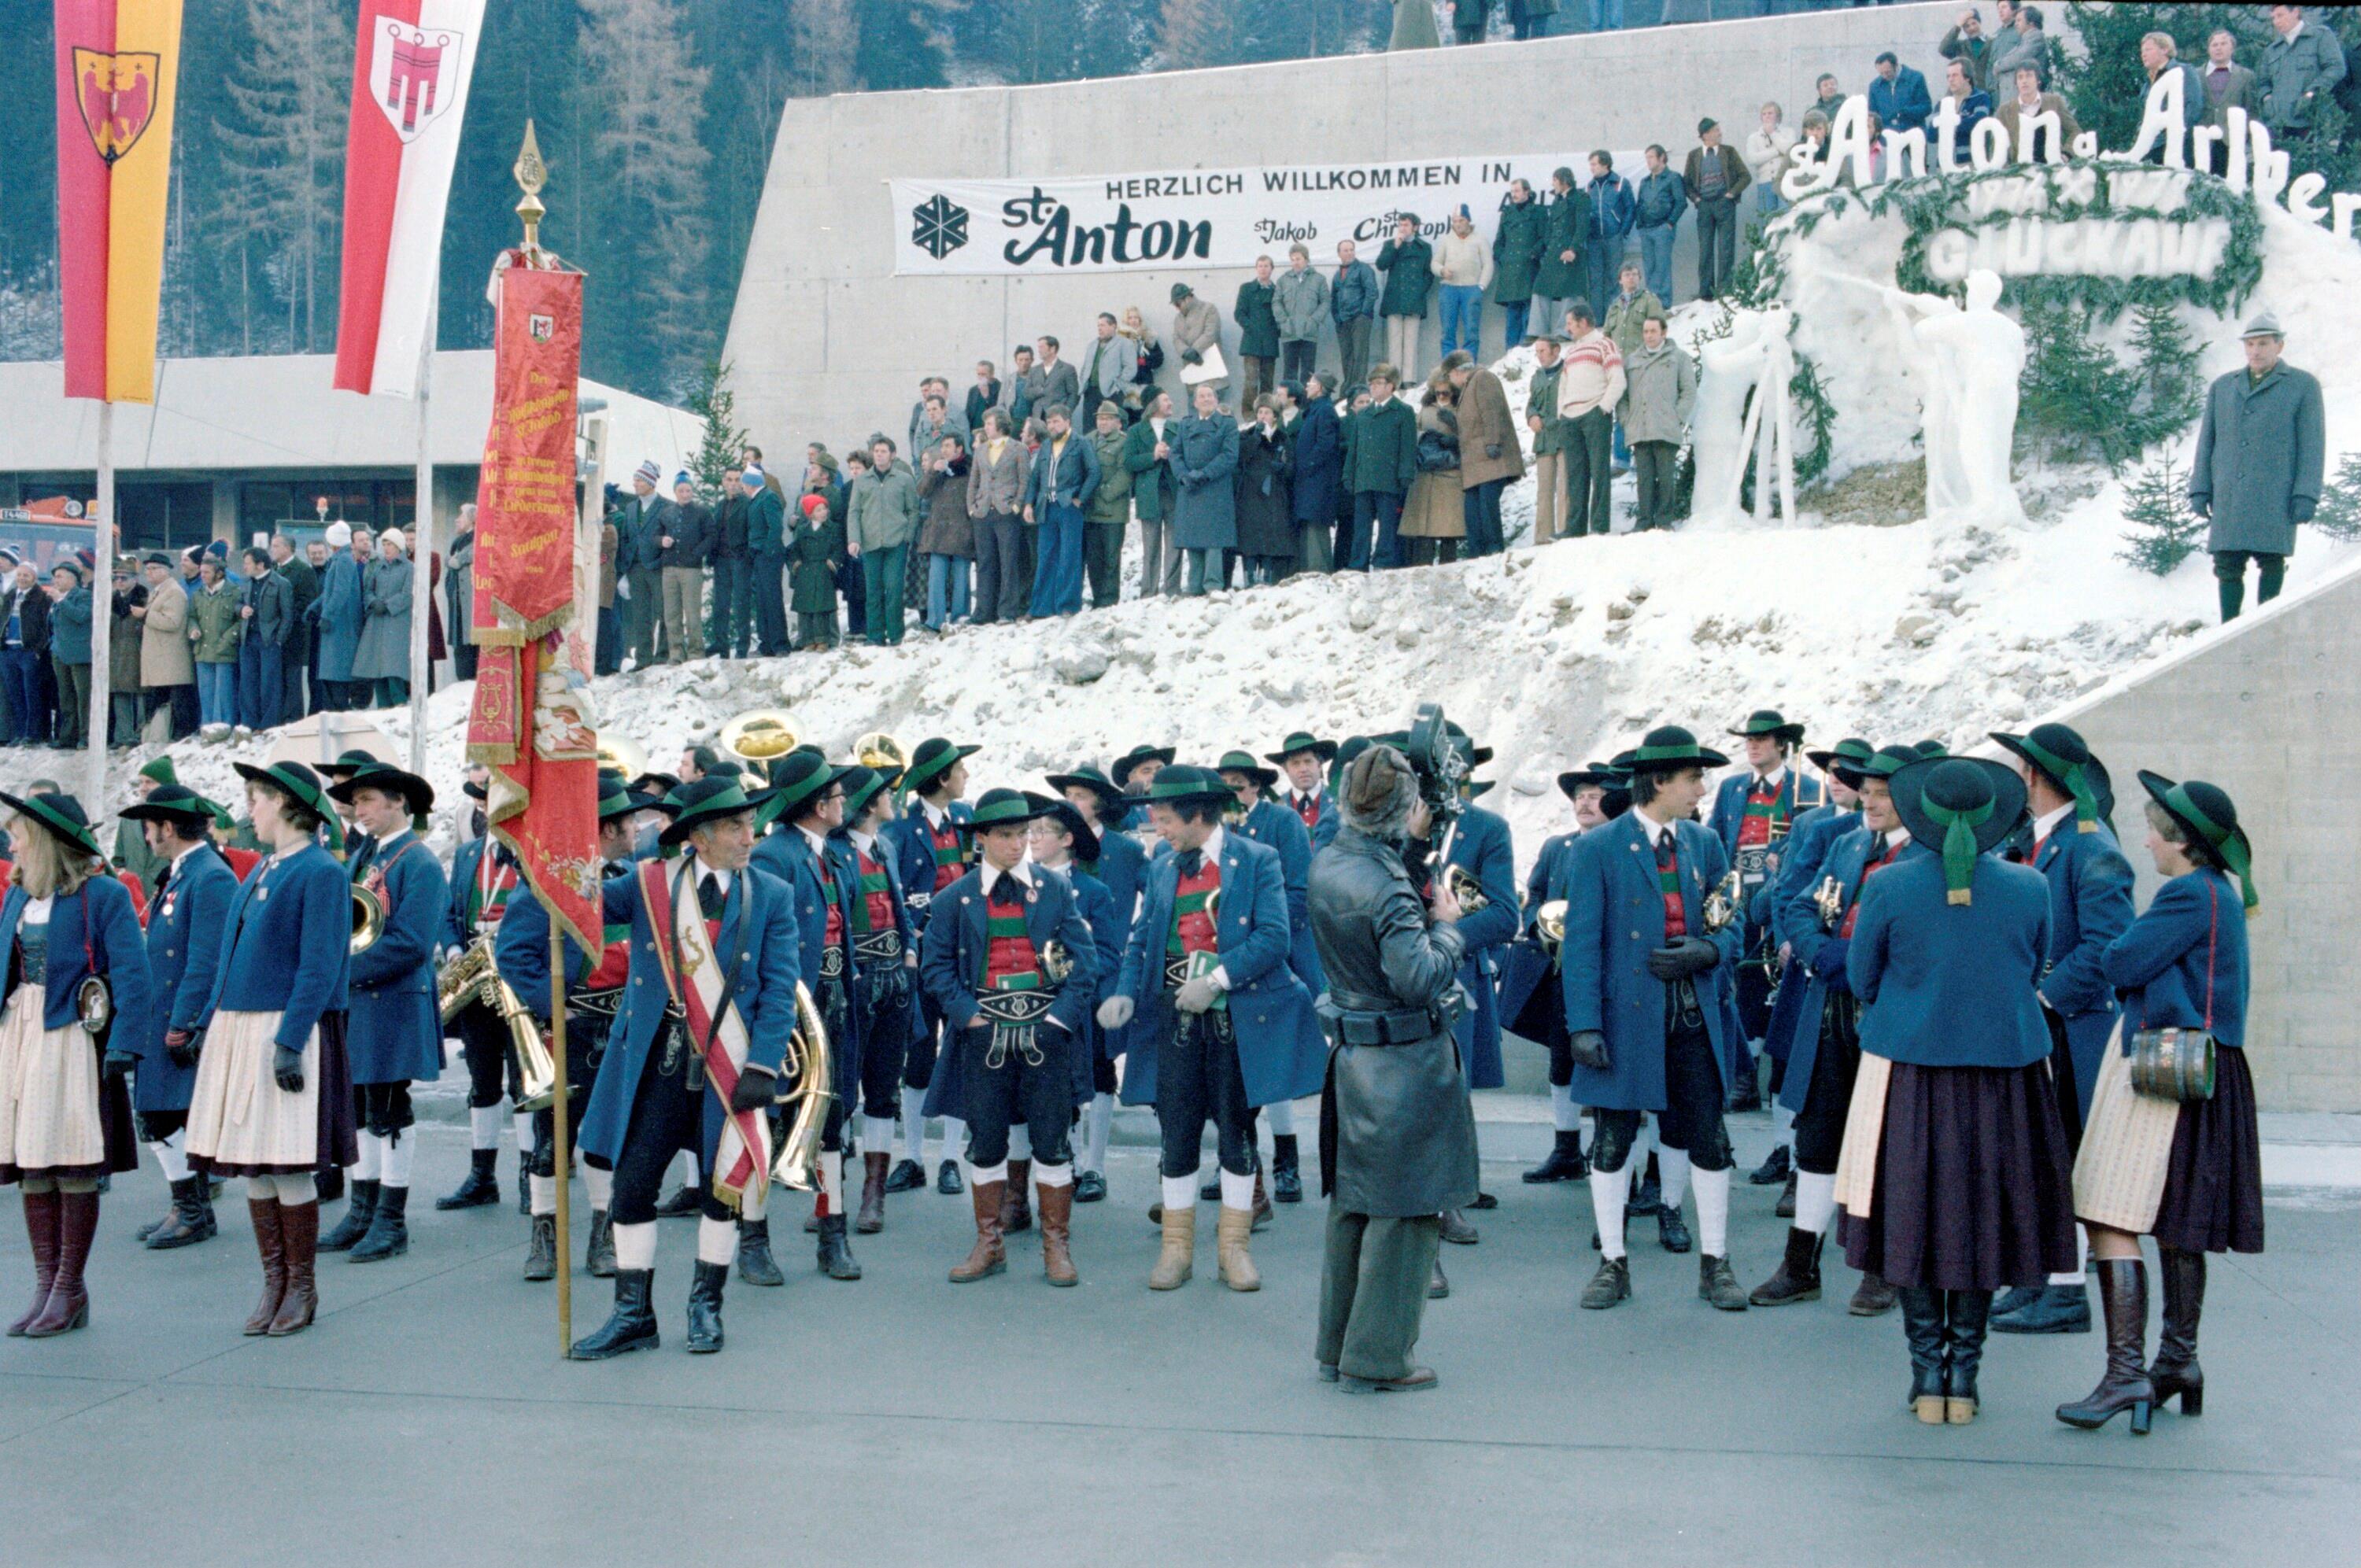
(1589, 386)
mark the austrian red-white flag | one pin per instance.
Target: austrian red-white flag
(410, 93)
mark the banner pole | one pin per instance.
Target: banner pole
(560, 1154)
(422, 575)
(102, 615)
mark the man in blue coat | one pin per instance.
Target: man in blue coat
(394, 1036)
(187, 919)
(2069, 797)
(1115, 860)
(1221, 1025)
(1752, 814)
(1641, 1014)
(1010, 960)
(806, 804)
(1824, 1052)
(929, 854)
(695, 1056)
(484, 878)
(1898, 96)
(1058, 488)
(884, 985)
(338, 614)
(1066, 841)
(1306, 757)
(1273, 826)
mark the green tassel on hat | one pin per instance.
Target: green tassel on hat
(1958, 845)
(2070, 775)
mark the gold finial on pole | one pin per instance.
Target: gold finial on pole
(532, 174)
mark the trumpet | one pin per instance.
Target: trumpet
(809, 1065)
(369, 918)
(1828, 898)
(1722, 904)
(1466, 890)
(471, 978)
(1549, 921)
(762, 735)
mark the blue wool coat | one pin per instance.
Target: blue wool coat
(2090, 906)
(1318, 470)
(1122, 866)
(1274, 827)
(952, 966)
(1800, 920)
(339, 609)
(1945, 984)
(2159, 963)
(1281, 1053)
(757, 943)
(299, 907)
(1800, 866)
(1524, 966)
(186, 927)
(914, 854)
(93, 930)
(394, 1034)
(1482, 845)
(1110, 929)
(785, 855)
(1615, 918)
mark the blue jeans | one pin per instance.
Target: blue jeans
(882, 578)
(1377, 523)
(1513, 323)
(1656, 260)
(1606, 13)
(258, 681)
(1057, 559)
(1768, 202)
(216, 693)
(1463, 318)
(947, 588)
(25, 674)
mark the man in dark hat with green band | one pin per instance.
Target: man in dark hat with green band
(131, 851)
(1752, 814)
(1306, 757)
(929, 854)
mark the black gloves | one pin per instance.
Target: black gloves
(1689, 956)
(753, 1091)
(117, 1064)
(1589, 1048)
(182, 1046)
(287, 1067)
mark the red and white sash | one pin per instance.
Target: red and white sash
(741, 1160)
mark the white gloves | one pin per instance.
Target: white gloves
(1116, 1012)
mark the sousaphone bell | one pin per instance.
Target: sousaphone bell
(762, 735)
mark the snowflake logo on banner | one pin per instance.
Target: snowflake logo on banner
(939, 226)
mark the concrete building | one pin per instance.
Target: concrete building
(233, 447)
(826, 344)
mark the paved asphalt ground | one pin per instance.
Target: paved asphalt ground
(426, 1419)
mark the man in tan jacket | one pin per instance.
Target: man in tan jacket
(167, 670)
(1491, 459)
(995, 502)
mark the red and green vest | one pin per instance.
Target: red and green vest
(1762, 812)
(1668, 881)
(1193, 925)
(1852, 910)
(950, 854)
(873, 911)
(1009, 961)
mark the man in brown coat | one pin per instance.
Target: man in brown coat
(167, 670)
(2054, 130)
(1489, 457)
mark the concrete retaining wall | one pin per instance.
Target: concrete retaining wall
(826, 344)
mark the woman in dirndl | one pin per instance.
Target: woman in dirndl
(2186, 1171)
(273, 1099)
(65, 1114)
(1954, 1177)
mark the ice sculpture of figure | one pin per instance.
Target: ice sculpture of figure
(1754, 361)
(1965, 364)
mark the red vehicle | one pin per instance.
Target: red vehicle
(44, 532)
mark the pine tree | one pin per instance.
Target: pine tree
(1197, 33)
(2171, 395)
(282, 142)
(825, 41)
(2339, 514)
(724, 440)
(2165, 531)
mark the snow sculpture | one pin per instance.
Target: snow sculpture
(1964, 364)
(1743, 404)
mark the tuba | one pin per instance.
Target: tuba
(471, 978)
(762, 736)
(623, 755)
(810, 1066)
(369, 918)
(883, 752)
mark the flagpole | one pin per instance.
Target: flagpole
(422, 574)
(560, 1155)
(101, 614)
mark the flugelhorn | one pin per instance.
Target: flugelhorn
(809, 1066)
(1057, 961)
(1830, 900)
(1465, 889)
(1550, 922)
(762, 735)
(1722, 904)
(473, 977)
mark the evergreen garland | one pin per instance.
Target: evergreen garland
(2165, 531)
(2339, 513)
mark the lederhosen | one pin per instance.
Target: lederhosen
(491, 1069)
(1820, 1124)
(950, 864)
(881, 985)
(832, 992)
(1761, 831)
(1017, 1065)
(1197, 1072)
(668, 1109)
(1691, 1120)
(590, 1013)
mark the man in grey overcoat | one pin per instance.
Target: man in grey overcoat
(2260, 452)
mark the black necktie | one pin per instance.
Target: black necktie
(709, 896)
(1664, 859)
(1192, 861)
(1005, 892)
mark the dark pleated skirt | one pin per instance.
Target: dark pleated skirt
(1974, 1187)
(2214, 1180)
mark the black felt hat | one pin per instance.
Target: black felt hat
(1086, 840)
(384, 776)
(795, 778)
(304, 786)
(1772, 722)
(1091, 779)
(2207, 811)
(1244, 762)
(61, 815)
(1960, 807)
(1845, 759)
(934, 757)
(1592, 775)
(703, 800)
(2060, 751)
(1125, 765)
(862, 784)
(1668, 749)
(1302, 741)
(173, 803)
(346, 764)
(1182, 784)
(1001, 805)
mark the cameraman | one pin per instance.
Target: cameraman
(1397, 1134)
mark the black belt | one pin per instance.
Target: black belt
(831, 962)
(607, 1004)
(1370, 1026)
(1015, 1017)
(878, 947)
(1176, 972)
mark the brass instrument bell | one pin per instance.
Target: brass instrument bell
(809, 1066)
(1466, 890)
(1550, 922)
(623, 755)
(1828, 898)
(762, 735)
(1721, 906)
(369, 918)
(1057, 961)
(883, 752)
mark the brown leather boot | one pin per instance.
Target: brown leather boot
(989, 1255)
(1016, 1209)
(1262, 1208)
(41, 1226)
(68, 1307)
(872, 1218)
(299, 1232)
(1057, 1219)
(1178, 1259)
(1234, 1237)
(264, 1212)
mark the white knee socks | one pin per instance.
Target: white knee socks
(1180, 1193)
(1099, 1126)
(985, 1174)
(1673, 1168)
(1712, 1206)
(372, 1157)
(174, 1156)
(635, 1246)
(717, 1240)
(2074, 1276)
(1610, 1191)
(1815, 1202)
(1782, 1127)
(1053, 1175)
(544, 1194)
(876, 1135)
(832, 1181)
(954, 1138)
(483, 1126)
(398, 1152)
(290, 1190)
(600, 1186)
(1565, 1116)
(522, 1122)
(914, 1124)
(1280, 1114)
(1237, 1191)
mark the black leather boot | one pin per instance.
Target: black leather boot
(598, 1257)
(389, 1231)
(2175, 1370)
(1922, 1330)
(2124, 1385)
(634, 1325)
(1286, 1174)
(191, 1219)
(836, 1259)
(541, 1252)
(355, 1222)
(1784, 1208)
(331, 1180)
(705, 1308)
(482, 1185)
(1967, 1315)
(1779, 1168)
(1797, 1278)
(755, 1265)
(1565, 1162)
